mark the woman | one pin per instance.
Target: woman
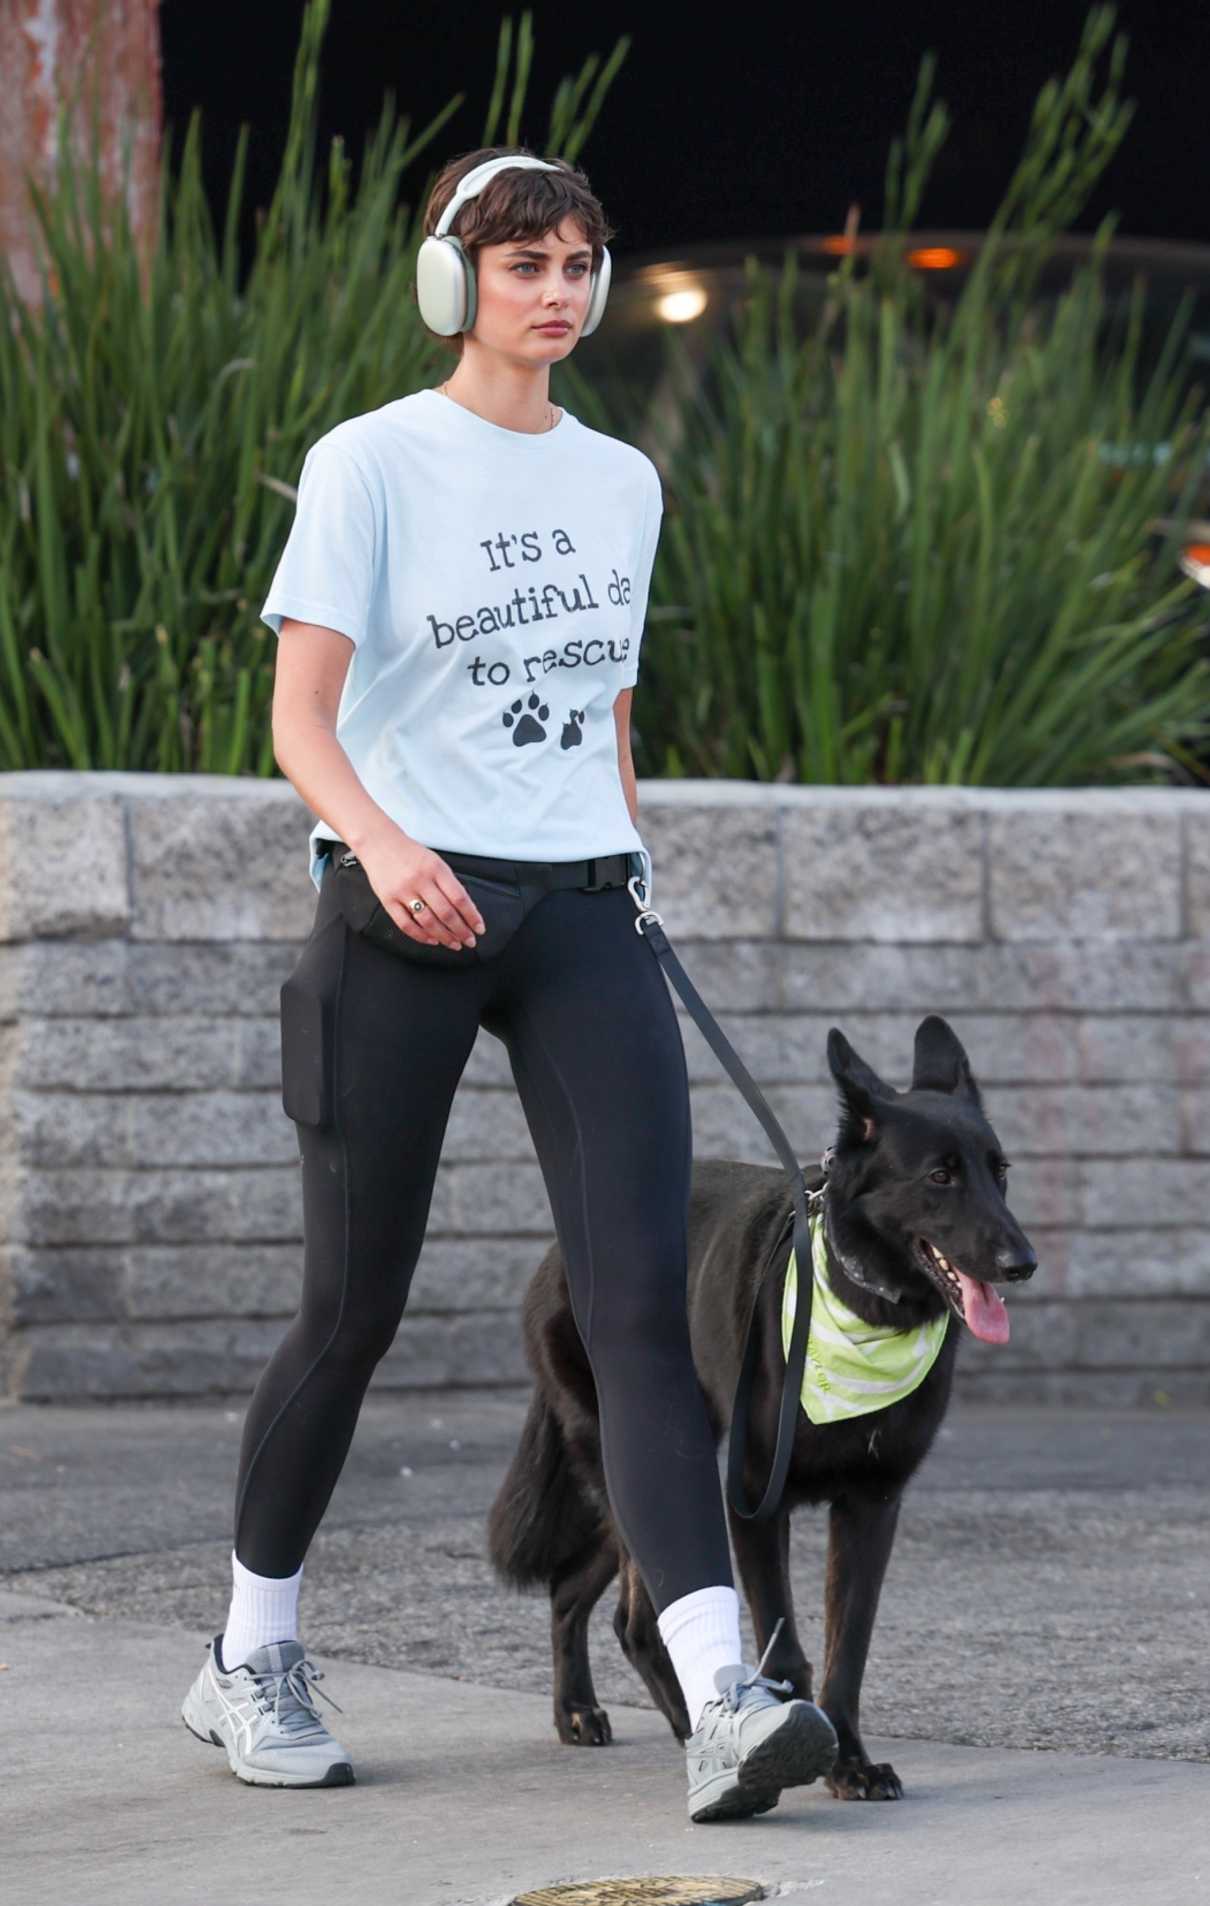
(460, 604)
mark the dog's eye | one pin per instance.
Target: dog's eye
(941, 1176)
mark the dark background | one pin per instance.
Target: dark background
(767, 125)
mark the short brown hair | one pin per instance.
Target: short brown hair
(515, 204)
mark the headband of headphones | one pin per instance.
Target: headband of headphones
(446, 291)
(473, 182)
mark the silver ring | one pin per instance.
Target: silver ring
(416, 905)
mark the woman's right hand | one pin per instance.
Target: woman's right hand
(401, 870)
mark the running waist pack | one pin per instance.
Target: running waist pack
(503, 904)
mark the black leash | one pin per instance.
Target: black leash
(650, 925)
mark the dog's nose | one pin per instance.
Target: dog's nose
(1013, 1266)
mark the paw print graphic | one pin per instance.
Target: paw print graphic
(527, 728)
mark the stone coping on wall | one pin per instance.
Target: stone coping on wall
(149, 855)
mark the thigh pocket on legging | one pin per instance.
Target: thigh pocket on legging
(308, 1041)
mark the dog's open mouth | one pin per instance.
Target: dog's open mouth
(980, 1306)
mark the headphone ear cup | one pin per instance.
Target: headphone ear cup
(445, 286)
(600, 294)
(470, 288)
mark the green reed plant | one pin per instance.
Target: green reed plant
(892, 548)
(895, 550)
(155, 410)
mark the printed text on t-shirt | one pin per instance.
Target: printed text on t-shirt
(531, 604)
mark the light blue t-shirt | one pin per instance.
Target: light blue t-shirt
(494, 583)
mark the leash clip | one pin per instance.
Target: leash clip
(645, 912)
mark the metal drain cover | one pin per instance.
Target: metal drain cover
(652, 1889)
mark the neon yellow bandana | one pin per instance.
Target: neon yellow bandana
(853, 1367)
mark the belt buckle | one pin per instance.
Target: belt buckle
(592, 884)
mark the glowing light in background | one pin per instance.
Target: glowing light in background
(681, 307)
(934, 258)
(1195, 561)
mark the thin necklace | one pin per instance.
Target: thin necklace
(531, 433)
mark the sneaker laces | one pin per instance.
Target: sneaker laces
(734, 1691)
(293, 1682)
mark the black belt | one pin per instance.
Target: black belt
(603, 870)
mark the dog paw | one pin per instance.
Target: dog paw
(527, 727)
(853, 1780)
(583, 1726)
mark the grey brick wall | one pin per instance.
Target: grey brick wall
(151, 1236)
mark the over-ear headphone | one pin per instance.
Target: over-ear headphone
(445, 278)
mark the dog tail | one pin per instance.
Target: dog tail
(538, 1518)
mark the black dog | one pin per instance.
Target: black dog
(916, 1223)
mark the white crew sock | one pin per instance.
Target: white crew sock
(701, 1633)
(263, 1608)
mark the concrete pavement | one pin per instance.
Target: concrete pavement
(1037, 1678)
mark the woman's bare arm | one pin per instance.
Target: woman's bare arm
(621, 716)
(312, 663)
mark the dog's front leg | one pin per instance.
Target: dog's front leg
(575, 1589)
(636, 1626)
(762, 1555)
(860, 1536)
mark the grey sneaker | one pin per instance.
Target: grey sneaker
(265, 1716)
(748, 1744)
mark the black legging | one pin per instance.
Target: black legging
(583, 1007)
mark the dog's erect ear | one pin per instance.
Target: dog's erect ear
(941, 1064)
(861, 1089)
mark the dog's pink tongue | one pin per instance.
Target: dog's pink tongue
(985, 1311)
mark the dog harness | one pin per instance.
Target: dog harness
(853, 1367)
